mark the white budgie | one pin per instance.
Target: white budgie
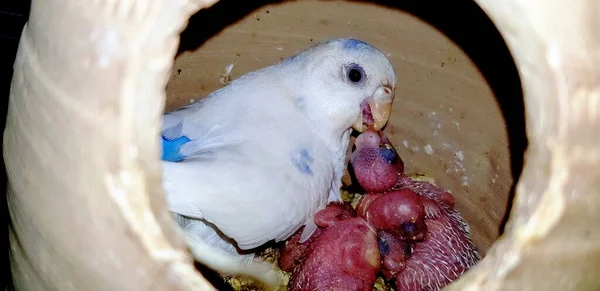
(255, 160)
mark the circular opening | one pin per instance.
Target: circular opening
(458, 115)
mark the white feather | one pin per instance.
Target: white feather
(268, 150)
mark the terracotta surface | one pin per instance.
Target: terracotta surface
(446, 122)
(82, 155)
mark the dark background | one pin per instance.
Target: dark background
(13, 15)
(461, 20)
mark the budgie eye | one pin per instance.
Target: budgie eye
(388, 153)
(355, 73)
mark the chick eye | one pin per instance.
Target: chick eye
(388, 153)
(355, 73)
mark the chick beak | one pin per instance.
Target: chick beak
(376, 110)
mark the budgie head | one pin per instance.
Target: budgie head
(347, 82)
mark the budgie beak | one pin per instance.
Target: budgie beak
(376, 110)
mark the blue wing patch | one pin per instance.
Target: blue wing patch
(172, 148)
(303, 162)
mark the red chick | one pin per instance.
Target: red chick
(399, 218)
(375, 163)
(443, 257)
(446, 251)
(293, 251)
(378, 168)
(401, 213)
(344, 255)
(394, 253)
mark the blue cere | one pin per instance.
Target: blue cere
(355, 44)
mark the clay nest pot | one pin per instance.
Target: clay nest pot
(86, 201)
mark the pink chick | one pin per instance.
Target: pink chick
(401, 213)
(293, 251)
(375, 162)
(446, 251)
(443, 256)
(344, 257)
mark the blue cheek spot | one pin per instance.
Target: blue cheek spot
(302, 162)
(172, 148)
(301, 103)
(355, 44)
(304, 154)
